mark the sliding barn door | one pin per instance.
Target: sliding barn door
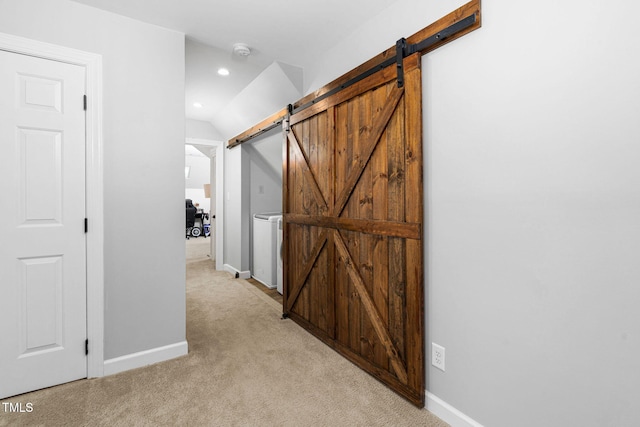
(353, 202)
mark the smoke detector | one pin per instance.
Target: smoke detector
(241, 49)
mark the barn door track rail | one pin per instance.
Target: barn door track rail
(403, 49)
(456, 24)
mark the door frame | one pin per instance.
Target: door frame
(217, 156)
(92, 64)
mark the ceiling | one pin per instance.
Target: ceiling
(290, 31)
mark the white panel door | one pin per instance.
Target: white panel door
(42, 211)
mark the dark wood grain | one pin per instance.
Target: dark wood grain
(380, 122)
(405, 230)
(369, 307)
(415, 340)
(256, 130)
(353, 213)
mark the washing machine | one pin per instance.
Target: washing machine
(280, 253)
(265, 254)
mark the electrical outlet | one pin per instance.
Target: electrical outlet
(437, 356)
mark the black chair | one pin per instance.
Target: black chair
(191, 216)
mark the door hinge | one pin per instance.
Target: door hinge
(84, 100)
(86, 225)
(86, 346)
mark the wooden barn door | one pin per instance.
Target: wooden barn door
(353, 215)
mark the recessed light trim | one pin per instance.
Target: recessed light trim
(223, 71)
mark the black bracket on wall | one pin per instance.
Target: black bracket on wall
(402, 51)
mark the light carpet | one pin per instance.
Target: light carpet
(245, 367)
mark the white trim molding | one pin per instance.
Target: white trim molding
(145, 358)
(233, 271)
(92, 64)
(448, 413)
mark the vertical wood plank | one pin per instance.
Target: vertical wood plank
(318, 135)
(353, 154)
(340, 148)
(380, 212)
(364, 195)
(341, 278)
(342, 298)
(307, 202)
(310, 128)
(414, 213)
(323, 170)
(395, 152)
(298, 236)
(294, 238)
(331, 249)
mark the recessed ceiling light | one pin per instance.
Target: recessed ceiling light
(197, 104)
(223, 71)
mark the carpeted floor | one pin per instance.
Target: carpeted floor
(245, 367)
(198, 248)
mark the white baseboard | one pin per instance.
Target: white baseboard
(144, 358)
(448, 413)
(233, 271)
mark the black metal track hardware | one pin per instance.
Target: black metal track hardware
(402, 51)
(444, 34)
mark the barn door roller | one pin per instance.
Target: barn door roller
(403, 49)
(401, 52)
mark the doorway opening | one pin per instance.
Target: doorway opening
(204, 163)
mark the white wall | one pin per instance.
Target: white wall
(199, 174)
(265, 176)
(265, 172)
(535, 201)
(271, 91)
(199, 129)
(532, 192)
(268, 93)
(143, 163)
